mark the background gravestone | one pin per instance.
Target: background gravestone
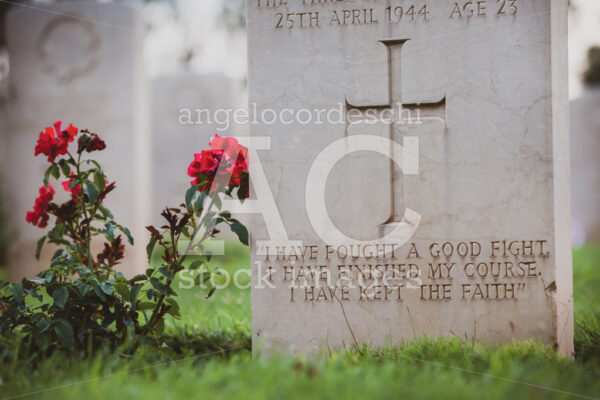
(489, 203)
(79, 62)
(585, 166)
(176, 138)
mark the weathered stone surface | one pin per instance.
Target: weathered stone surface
(487, 201)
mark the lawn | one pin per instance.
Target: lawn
(212, 360)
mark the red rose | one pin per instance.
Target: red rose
(235, 154)
(54, 142)
(222, 164)
(69, 134)
(39, 216)
(230, 146)
(205, 163)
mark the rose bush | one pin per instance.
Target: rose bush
(81, 302)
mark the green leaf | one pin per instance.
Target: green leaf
(174, 312)
(107, 288)
(135, 291)
(91, 191)
(159, 286)
(211, 292)
(57, 234)
(84, 289)
(123, 290)
(145, 305)
(64, 166)
(17, 291)
(165, 271)
(138, 278)
(100, 181)
(150, 249)
(92, 280)
(189, 196)
(127, 233)
(64, 332)
(95, 163)
(109, 231)
(60, 297)
(172, 302)
(99, 293)
(44, 325)
(106, 212)
(173, 307)
(38, 249)
(196, 264)
(52, 170)
(199, 205)
(150, 294)
(48, 276)
(240, 230)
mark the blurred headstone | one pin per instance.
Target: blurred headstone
(79, 62)
(585, 167)
(187, 111)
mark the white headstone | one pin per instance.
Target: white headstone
(470, 222)
(184, 107)
(80, 62)
(585, 166)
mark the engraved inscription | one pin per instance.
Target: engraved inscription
(498, 270)
(302, 14)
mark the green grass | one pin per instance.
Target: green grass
(220, 322)
(427, 368)
(424, 369)
(586, 285)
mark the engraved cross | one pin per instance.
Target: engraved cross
(423, 111)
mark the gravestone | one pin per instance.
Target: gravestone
(585, 166)
(184, 107)
(80, 62)
(422, 185)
